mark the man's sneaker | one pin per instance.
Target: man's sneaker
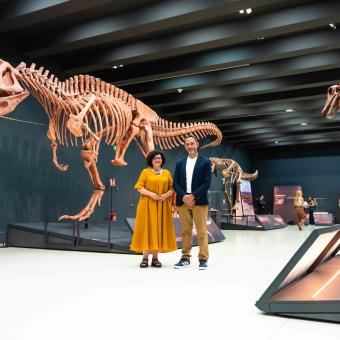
(183, 262)
(203, 265)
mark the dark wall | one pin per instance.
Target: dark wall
(32, 189)
(319, 175)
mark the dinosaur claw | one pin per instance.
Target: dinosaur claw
(95, 198)
(63, 167)
(118, 162)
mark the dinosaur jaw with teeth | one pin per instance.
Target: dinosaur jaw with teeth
(9, 101)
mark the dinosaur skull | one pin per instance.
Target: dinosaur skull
(332, 103)
(11, 93)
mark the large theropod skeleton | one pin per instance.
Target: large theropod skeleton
(233, 174)
(87, 108)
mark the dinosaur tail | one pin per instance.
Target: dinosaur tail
(168, 135)
(250, 177)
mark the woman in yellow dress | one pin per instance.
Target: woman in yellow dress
(154, 230)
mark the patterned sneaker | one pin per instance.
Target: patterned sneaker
(183, 262)
(203, 265)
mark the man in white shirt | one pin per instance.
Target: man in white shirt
(192, 180)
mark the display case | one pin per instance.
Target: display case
(217, 201)
(309, 285)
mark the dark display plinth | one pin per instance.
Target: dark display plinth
(257, 222)
(104, 236)
(239, 223)
(214, 232)
(309, 285)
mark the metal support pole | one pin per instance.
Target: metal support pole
(109, 235)
(45, 234)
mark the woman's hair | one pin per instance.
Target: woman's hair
(151, 155)
(297, 196)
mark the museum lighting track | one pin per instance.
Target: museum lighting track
(325, 285)
(188, 74)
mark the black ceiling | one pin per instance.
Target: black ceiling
(258, 76)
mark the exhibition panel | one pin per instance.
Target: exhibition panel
(308, 286)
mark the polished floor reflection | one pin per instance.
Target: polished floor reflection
(48, 294)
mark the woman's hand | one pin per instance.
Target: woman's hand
(163, 197)
(154, 196)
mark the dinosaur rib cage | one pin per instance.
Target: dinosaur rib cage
(110, 115)
(107, 116)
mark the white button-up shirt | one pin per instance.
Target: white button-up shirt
(190, 170)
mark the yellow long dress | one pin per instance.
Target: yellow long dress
(154, 229)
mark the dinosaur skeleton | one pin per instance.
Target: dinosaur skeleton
(332, 104)
(87, 108)
(233, 174)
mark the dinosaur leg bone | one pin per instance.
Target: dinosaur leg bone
(140, 148)
(89, 156)
(148, 141)
(122, 146)
(146, 137)
(227, 195)
(237, 204)
(54, 145)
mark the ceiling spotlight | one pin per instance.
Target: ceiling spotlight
(179, 90)
(289, 110)
(115, 66)
(260, 38)
(276, 142)
(241, 11)
(121, 65)
(249, 10)
(332, 26)
(304, 124)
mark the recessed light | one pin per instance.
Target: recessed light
(115, 66)
(289, 110)
(260, 38)
(332, 26)
(248, 11)
(304, 124)
(121, 65)
(277, 142)
(179, 90)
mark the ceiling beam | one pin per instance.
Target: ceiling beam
(205, 39)
(143, 22)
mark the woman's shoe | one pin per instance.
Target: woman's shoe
(144, 263)
(155, 263)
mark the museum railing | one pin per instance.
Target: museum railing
(3, 238)
(239, 219)
(76, 231)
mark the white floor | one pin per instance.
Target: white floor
(73, 295)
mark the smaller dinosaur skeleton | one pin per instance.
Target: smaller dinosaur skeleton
(233, 174)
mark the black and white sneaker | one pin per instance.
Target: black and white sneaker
(183, 262)
(203, 265)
